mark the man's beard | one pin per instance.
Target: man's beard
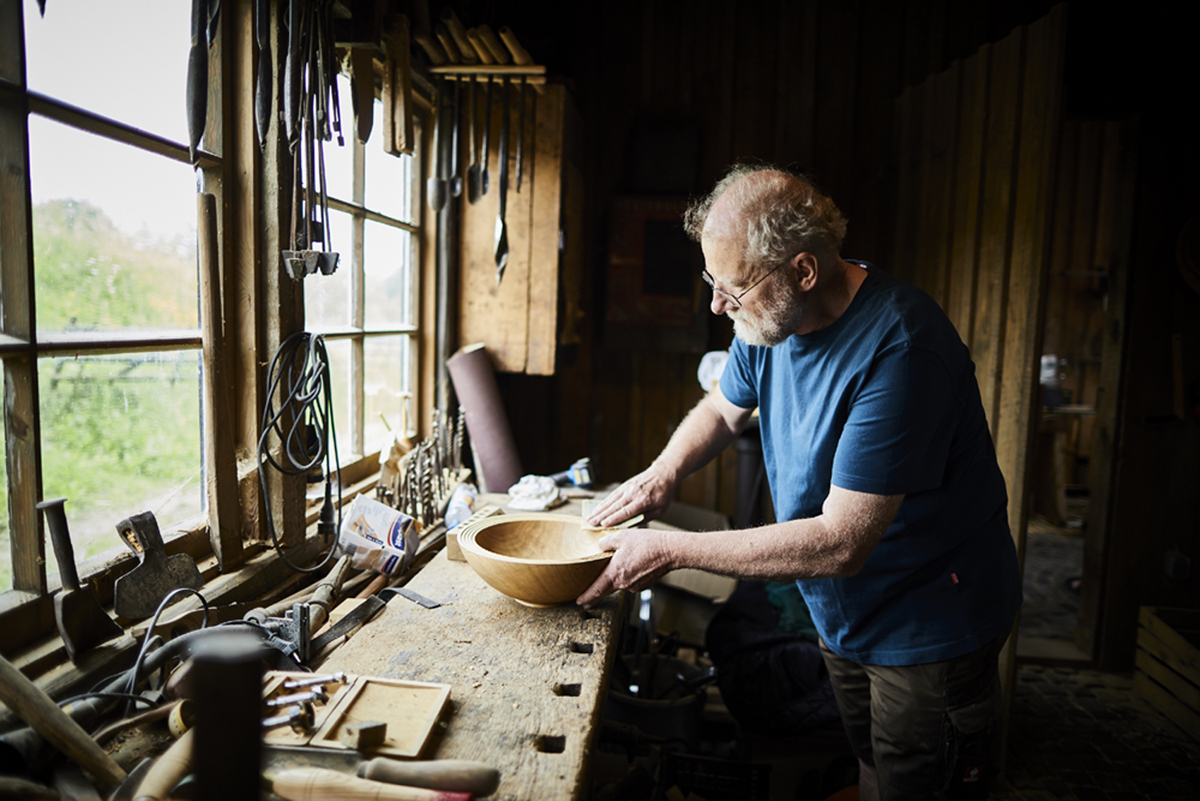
(779, 317)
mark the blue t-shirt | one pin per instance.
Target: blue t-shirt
(885, 401)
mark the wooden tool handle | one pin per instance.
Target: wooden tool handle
(520, 55)
(462, 775)
(448, 44)
(168, 771)
(437, 56)
(459, 33)
(60, 538)
(481, 48)
(319, 784)
(43, 716)
(494, 45)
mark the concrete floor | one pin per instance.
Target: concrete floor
(1088, 735)
(1079, 734)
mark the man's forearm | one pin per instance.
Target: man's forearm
(705, 431)
(702, 435)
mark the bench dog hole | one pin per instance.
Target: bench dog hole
(582, 648)
(551, 744)
(567, 689)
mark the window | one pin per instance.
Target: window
(367, 309)
(102, 341)
(114, 350)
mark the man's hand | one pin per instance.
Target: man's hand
(641, 557)
(647, 493)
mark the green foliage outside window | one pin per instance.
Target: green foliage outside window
(120, 432)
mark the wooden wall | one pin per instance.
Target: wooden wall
(977, 146)
(811, 85)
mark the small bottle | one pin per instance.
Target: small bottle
(461, 505)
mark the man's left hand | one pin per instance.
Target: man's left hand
(641, 557)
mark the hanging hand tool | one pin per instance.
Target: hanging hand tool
(197, 79)
(82, 623)
(520, 128)
(138, 593)
(435, 188)
(487, 133)
(501, 227)
(473, 172)
(456, 181)
(311, 117)
(262, 84)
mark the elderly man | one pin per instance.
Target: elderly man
(892, 510)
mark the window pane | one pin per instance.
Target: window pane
(124, 59)
(339, 161)
(113, 233)
(339, 387)
(387, 257)
(327, 297)
(5, 554)
(120, 435)
(386, 384)
(388, 178)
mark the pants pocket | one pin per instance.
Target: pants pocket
(968, 753)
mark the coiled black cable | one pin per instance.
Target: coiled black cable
(306, 408)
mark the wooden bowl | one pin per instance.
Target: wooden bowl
(538, 559)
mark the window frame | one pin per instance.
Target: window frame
(256, 305)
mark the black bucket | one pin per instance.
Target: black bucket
(666, 707)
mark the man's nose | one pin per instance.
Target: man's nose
(720, 303)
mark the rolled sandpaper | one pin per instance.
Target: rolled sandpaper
(492, 440)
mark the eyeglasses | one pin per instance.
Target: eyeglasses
(736, 300)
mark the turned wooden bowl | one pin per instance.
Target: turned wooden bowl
(538, 559)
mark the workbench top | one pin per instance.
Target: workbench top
(527, 685)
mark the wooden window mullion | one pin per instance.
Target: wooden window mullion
(22, 434)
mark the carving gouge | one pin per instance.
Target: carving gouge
(319, 784)
(456, 775)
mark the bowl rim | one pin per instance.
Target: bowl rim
(466, 539)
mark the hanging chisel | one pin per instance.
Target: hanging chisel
(501, 226)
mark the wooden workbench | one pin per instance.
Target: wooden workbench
(527, 685)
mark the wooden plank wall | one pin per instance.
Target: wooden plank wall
(977, 145)
(984, 134)
(808, 85)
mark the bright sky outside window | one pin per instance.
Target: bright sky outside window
(114, 251)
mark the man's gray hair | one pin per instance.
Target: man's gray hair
(782, 214)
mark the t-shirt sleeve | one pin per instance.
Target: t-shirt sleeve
(737, 381)
(901, 422)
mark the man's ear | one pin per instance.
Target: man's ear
(807, 270)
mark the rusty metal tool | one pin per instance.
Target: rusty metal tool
(520, 129)
(474, 178)
(485, 177)
(310, 681)
(82, 622)
(455, 184)
(304, 696)
(501, 225)
(435, 187)
(138, 593)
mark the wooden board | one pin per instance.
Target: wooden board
(527, 685)
(1168, 664)
(410, 709)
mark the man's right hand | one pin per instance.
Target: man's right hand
(648, 493)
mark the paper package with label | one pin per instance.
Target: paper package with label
(377, 537)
